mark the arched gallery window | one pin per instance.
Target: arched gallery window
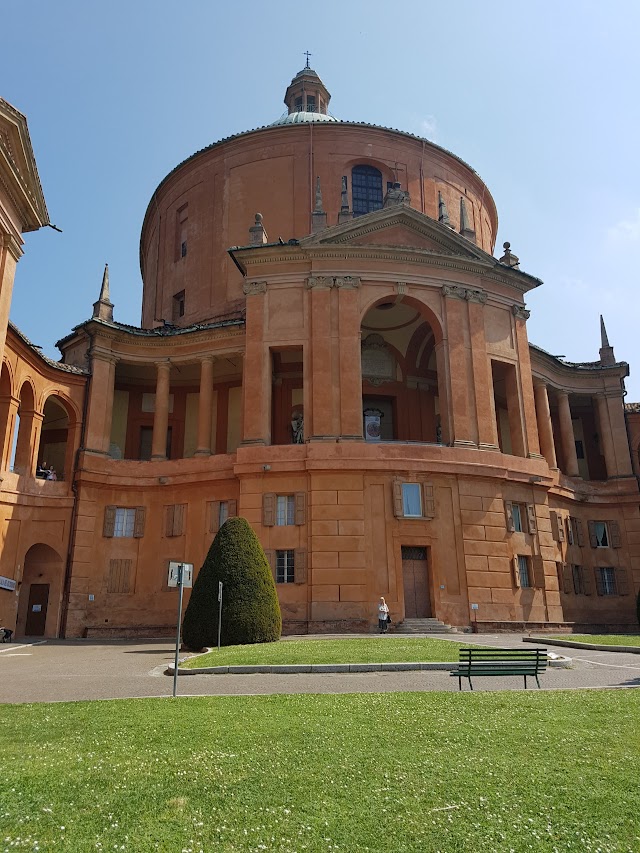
(366, 189)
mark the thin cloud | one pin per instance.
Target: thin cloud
(626, 231)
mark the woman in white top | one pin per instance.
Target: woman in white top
(383, 616)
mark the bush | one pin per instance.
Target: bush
(250, 607)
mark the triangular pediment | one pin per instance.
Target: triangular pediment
(399, 226)
(18, 167)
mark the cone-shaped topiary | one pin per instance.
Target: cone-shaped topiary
(250, 607)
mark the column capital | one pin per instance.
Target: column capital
(520, 312)
(253, 288)
(163, 363)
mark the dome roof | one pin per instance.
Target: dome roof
(302, 118)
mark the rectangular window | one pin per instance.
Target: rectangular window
(285, 566)
(223, 513)
(517, 518)
(124, 522)
(177, 310)
(285, 510)
(411, 500)
(523, 571)
(183, 249)
(311, 104)
(601, 534)
(182, 217)
(606, 581)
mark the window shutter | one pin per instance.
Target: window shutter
(587, 580)
(300, 508)
(599, 584)
(109, 521)
(614, 534)
(593, 539)
(516, 571)
(232, 509)
(268, 509)
(579, 532)
(538, 571)
(557, 530)
(168, 520)
(531, 518)
(214, 516)
(569, 530)
(622, 581)
(429, 502)
(398, 509)
(300, 565)
(508, 511)
(179, 512)
(138, 522)
(119, 572)
(567, 579)
(271, 559)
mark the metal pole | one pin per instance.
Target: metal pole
(175, 665)
(219, 612)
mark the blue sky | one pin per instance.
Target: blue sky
(541, 99)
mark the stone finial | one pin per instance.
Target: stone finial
(607, 358)
(257, 234)
(465, 228)
(508, 258)
(318, 216)
(345, 214)
(396, 195)
(103, 308)
(443, 213)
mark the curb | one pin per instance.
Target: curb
(320, 668)
(571, 644)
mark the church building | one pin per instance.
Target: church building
(332, 347)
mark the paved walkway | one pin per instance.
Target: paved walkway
(68, 670)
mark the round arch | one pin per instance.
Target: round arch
(52, 454)
(40, 592)
(23, 453)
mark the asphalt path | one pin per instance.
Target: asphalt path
(75, 670)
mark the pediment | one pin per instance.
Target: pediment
(399, 226)
(19, 168)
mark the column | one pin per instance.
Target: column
(545, 428)
(513, 410)
(322, 421)
(566, 434)
(100, 410)
(482, 379)
(161, 416)
(350, 361)
(521, 315)
(462, 404)
(8, 414)
(28, 443)
(205, 400)
(257, 370)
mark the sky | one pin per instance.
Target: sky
(541, 99)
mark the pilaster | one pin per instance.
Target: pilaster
(532, 442)
(350, 364)
(256, 376)
(100, 410)
(487, 430)
(462, 402)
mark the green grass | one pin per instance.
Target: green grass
(512, 771)
(356, 650)
(602, 639)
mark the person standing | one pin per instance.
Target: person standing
(383, 616)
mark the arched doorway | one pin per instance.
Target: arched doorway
(54, 435)
(40, 592)
(401, 382)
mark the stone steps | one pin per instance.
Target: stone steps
(424, 626)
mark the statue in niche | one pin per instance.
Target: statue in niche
(297, 427)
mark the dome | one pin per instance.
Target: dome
(302, 118)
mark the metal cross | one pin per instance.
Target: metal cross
(307, 54)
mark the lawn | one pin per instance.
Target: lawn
(512, 771)
(602, 639)
(348, 650)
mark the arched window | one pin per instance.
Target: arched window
(366, 188)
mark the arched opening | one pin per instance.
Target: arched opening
(54, 436)
(40, 592)
(366, 189)
(8, 414)
(22, 454)
(401, 383)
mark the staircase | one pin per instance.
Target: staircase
(424, 626)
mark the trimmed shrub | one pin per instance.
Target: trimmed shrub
(250, 607)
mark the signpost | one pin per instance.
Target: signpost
(180, 575)
(219, 611)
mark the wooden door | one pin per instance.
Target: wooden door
(417, 604)
(37, 612)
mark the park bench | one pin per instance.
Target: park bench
(474, 663)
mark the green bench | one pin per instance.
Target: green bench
(475, 663)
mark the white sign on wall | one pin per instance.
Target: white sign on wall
(7, 583)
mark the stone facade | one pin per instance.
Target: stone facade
(359, 385)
